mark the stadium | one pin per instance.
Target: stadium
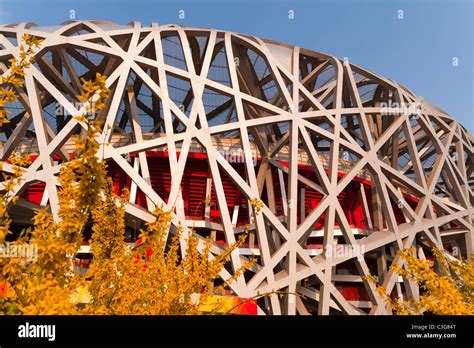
(350, 166)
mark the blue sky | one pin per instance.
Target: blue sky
(416, 51)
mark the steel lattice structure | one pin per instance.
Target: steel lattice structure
(342, 158)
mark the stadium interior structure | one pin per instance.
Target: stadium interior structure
(351, 166)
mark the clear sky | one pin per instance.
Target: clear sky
(417, 51)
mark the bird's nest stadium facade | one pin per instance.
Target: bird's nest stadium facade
(351, 166)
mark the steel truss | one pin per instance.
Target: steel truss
(182, 91)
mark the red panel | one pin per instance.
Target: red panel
(194, 190)
(34, 193)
